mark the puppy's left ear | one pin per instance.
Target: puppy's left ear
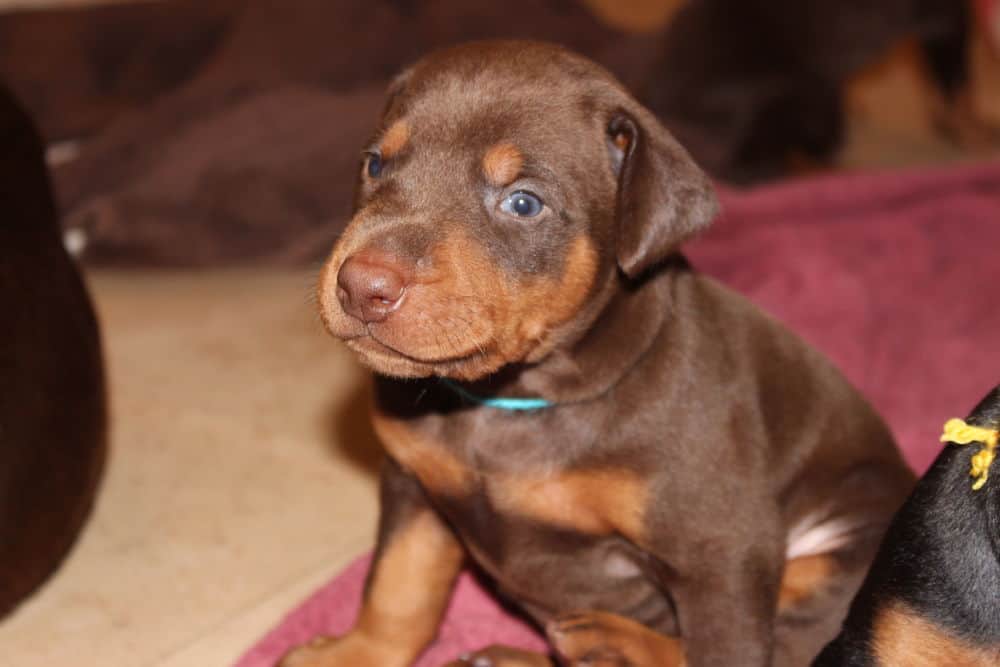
(663, 197)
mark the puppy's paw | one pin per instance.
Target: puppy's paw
(595, 639)
(307, 654)
(501, 656)
(586, 640)
(350, 649)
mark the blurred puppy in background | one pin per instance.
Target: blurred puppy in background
(748, 85)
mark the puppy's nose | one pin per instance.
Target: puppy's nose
(370, 288)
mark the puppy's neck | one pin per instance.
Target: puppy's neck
(615, 343)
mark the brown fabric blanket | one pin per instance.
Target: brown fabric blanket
(228, 131)
(79, 68)
(253, 157)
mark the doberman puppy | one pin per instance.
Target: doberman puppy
(932, 598)
(748, 84)
(630, 451)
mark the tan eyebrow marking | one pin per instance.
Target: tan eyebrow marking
(502, 163)
(395, 138)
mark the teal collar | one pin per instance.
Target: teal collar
(509, 404)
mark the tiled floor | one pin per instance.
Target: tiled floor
(241, 476)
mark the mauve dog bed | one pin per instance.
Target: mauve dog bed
(895, 276)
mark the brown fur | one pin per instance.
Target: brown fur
(599, 502)
(690, 435)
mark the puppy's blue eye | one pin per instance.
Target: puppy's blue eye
(522, 204)
(374, 165)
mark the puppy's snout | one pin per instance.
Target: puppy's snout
(370, 288)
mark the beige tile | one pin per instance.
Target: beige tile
(240, 476)
(223, 644)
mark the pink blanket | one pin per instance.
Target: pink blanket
(895, 276)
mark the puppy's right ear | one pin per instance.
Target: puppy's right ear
(663, 197)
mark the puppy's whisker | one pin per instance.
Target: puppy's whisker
(475, 340)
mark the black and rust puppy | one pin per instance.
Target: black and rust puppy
(52, 407)
(631, 451)
(932, 598)
(748, 84)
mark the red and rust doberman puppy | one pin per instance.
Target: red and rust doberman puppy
(932, 597)
(647, 465)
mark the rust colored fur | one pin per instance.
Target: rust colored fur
(691, 441)
(502, 163)
(395, 138)
(903, 638)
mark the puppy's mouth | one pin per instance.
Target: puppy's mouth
(437, 333)
(389, 360)
(370, 343)
(458, 317)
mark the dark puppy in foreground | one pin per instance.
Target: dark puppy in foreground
(932, 598)
(633, 453)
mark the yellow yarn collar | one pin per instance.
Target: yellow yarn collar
(961, 433)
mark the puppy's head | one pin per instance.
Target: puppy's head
(510, 185)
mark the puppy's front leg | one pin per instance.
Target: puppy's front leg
(588, 639)
(597, 639)
(416, 562)
(726, 603)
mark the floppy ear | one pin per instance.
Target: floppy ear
(663, 197)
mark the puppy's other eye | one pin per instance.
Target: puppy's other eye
(522, 204)
(373, 165)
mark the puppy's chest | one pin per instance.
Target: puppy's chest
(594, 500)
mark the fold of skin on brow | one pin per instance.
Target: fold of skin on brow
(502, 163)
(395, 139)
